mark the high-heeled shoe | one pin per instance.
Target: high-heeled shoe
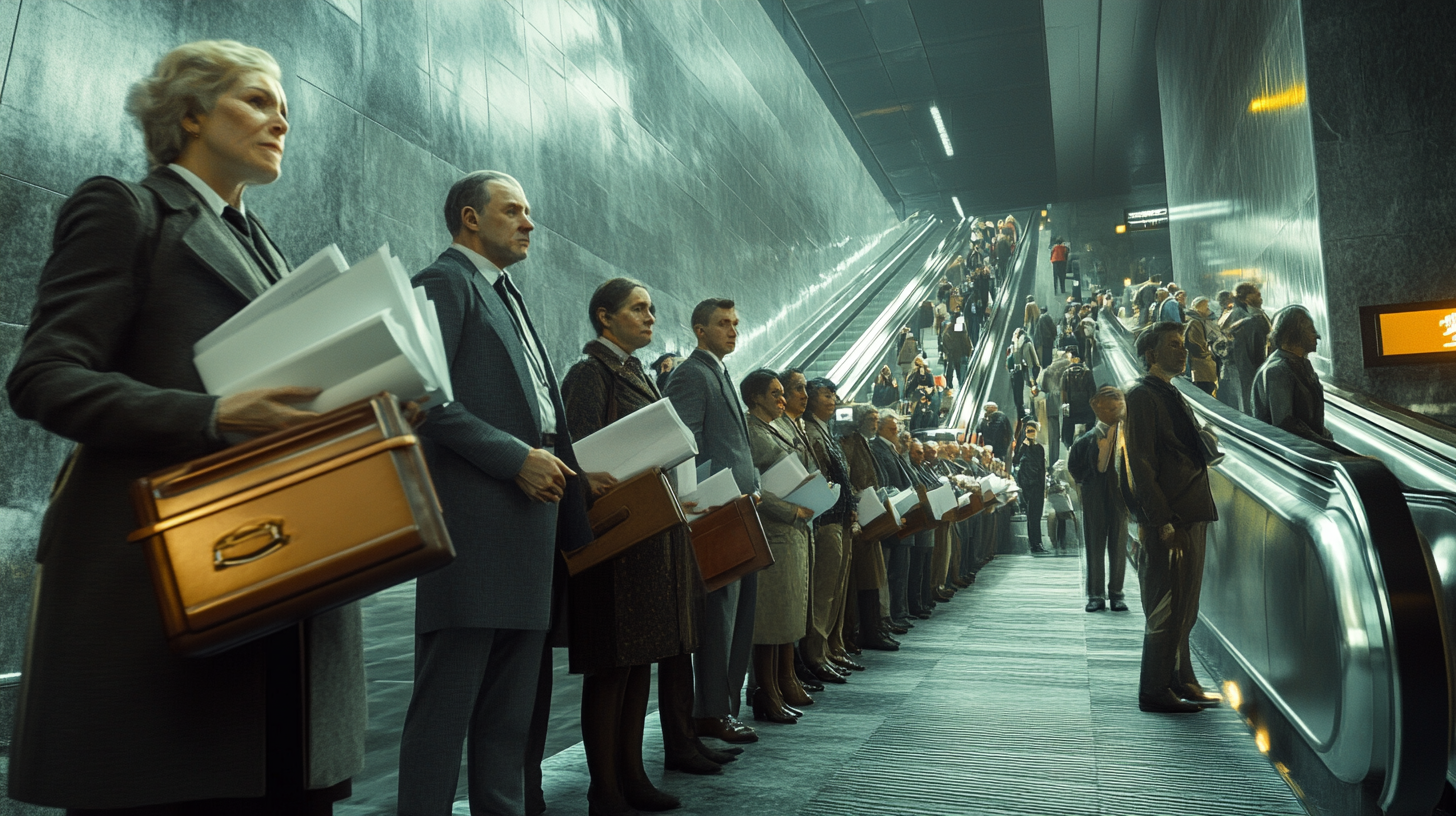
(793, 712)
(764, 711)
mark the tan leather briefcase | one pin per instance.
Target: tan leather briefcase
(255, 538)
(730, 543)
(631, 513)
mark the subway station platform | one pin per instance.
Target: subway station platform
(1010, 700)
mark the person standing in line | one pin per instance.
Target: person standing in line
(1091, 462)
(706, 400)
(1249, 327)
(995, 431)
(868, 573)
(1164, 479)
(503, 467)
(1059, 264)
(662, 368)
(781, 611)
(1287, 391)
(885, 448)
(1030, 461)
(109, 720)
(642, 606)
(1078, 387)
(833, 532)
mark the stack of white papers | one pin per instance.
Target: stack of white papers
(903, 501)
(651, 437)
(869, 506)
(817, 494)
(942, 500)
(787, 475)
(351, 331)
(714, 491)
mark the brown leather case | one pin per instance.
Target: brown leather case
(881, 528)
(918, 519)
(255, 538)
(972, 507)
(730, 543)
(632, 512)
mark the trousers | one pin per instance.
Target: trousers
(827, 589)
(1171, 577)
(1104, 529)
(725, 643)
(475, 687)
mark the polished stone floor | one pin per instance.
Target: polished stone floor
(1011, 700)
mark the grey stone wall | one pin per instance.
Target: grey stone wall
(1382, 82)
(1342, 200)
(1241, 184)
(680, 143)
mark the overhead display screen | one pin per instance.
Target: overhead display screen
(1400, 333)
(1146, 218)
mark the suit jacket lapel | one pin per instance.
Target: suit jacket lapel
(619, 370)
(504, 325)
(274, 253)
(716, 366)
(207, 237)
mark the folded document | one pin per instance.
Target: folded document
(653, 436)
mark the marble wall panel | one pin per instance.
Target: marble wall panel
(1381, 84)
(1241, 185)
(680, 143)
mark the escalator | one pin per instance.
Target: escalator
(1324, 601)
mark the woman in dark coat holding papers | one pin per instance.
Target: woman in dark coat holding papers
(640, 607)
(109, 719)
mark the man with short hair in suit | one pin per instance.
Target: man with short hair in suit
(897, 550)
(507, 480)
(1164, 479)
(707, 401)
(1092, 463)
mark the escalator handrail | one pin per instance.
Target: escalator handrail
(1402, 574)
(863, 356)
(985, 357)
(850, 295)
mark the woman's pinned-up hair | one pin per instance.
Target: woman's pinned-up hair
(188, 81)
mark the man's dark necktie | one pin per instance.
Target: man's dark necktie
(253, 243)
(511, 297)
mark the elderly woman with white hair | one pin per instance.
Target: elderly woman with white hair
(109, 720)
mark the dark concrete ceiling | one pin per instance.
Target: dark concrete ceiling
(882, 64)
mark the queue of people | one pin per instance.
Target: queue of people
(181, 253)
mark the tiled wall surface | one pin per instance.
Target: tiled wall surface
(1241, 184)
(1382, 77)
(677, 142)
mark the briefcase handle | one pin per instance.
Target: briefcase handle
(614, 520)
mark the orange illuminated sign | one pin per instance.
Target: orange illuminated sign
(1426, 332)
(1409, 333)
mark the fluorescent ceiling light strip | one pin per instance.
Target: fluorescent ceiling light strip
(940, 126)
(956, 201)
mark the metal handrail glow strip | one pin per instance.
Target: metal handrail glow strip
(1320, 593)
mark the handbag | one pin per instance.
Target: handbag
(255, 538)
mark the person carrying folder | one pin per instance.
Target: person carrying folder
(508, 485)
(703, 393)
(781, 614)
(640, 607)
(109, 719)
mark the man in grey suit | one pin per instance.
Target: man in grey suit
(708, 403)
(1164, 478)
(506, 477)
(897, 550)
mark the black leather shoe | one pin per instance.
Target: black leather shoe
(1039, 550)
(812, 685)
(807, 678)
(896, 629)
(826, 674)
(1166, 702)
(1119, 605)
(847, 662)
(727, 729)
(881, 644)
(1194, 693)
(921, 615)
(1096, 605)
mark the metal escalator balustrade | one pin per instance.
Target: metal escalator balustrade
(1321, 601)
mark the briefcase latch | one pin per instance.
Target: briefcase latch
(270, 532)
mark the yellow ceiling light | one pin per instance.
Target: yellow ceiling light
(1120, 228)
(1289, 97)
